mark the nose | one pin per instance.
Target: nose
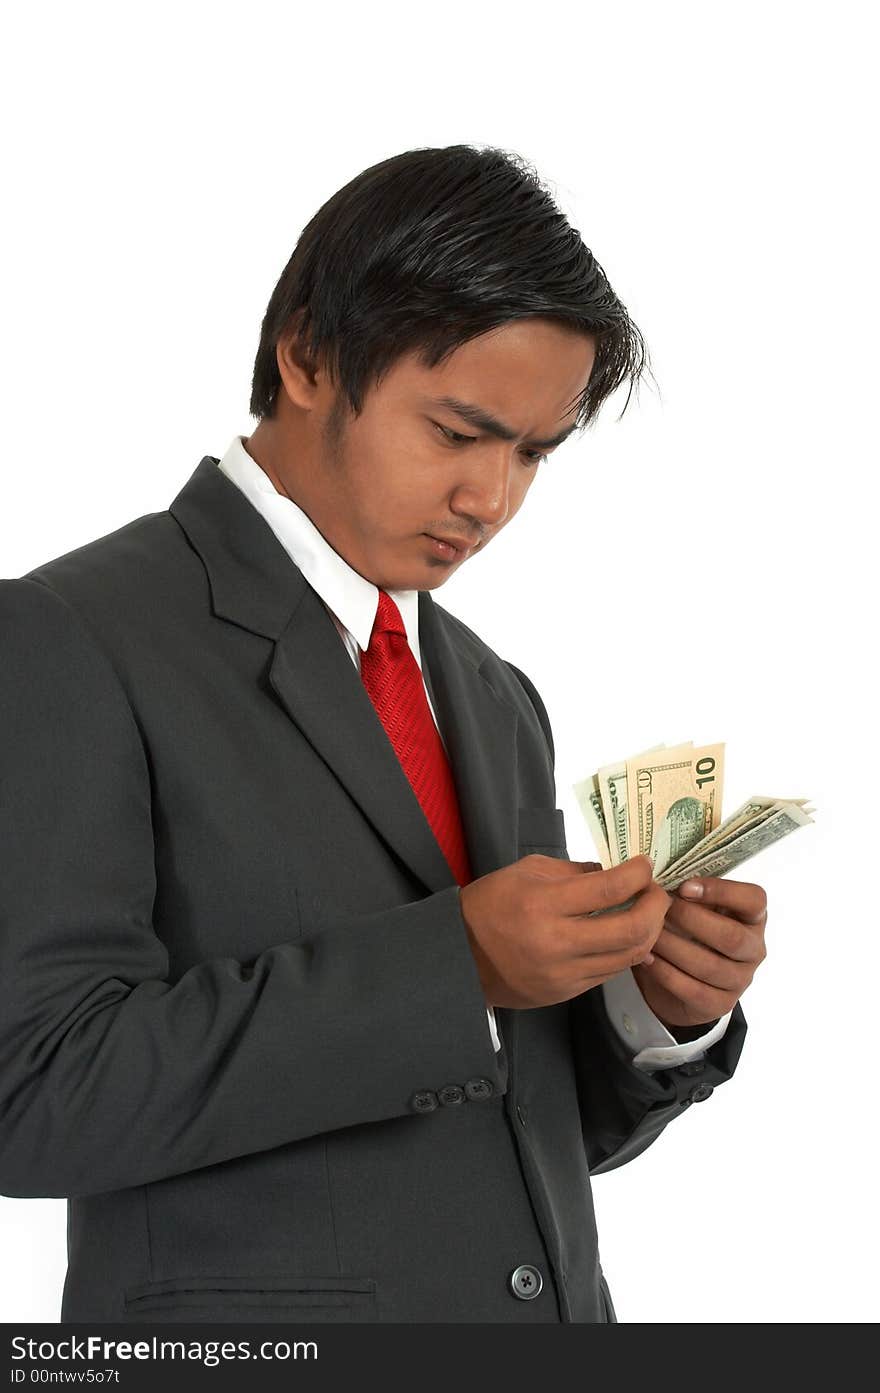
(485, 493)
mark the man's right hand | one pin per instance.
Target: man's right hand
(531, 939)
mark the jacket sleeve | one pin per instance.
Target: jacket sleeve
(112, 1075)
(623, 1108)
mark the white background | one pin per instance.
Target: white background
(702, 568)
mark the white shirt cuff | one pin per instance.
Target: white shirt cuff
(652, 1045)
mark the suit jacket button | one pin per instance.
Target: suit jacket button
(423, 1101)
(525, 1282)
(695, 1066)
(478, 1089)
(701, 1093)
(450, 1095)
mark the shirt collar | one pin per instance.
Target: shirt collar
(348, 594)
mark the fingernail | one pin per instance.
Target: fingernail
(648, 958)
(692, 888)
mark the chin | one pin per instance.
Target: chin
(433, 582)
(429, 576)
(422, 582)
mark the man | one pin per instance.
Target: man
(302, 1005)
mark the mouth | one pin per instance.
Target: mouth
(450, 548)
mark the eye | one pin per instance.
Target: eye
(455, 437)
(452, 435)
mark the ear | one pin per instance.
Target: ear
(299, 373)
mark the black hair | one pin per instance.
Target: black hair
(427, 250)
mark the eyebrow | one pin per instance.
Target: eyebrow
(476, 416)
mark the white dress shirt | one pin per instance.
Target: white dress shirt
(351, 601)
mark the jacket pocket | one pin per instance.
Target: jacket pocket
(543, 830)
(276, 1297)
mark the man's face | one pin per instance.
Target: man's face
(384, 485)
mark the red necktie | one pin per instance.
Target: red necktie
(394, 683)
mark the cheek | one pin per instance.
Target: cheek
(394, 493)
(415, 488)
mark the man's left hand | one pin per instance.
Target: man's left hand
(707, 952)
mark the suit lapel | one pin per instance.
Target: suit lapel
(480, 733)
(479, 728)
(323, 693)
(254, 583)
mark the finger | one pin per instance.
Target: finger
(730, 937)
(581, 894)
(706, 1002)
(702, 963)
(600, 967)
(619, 939)
(625, 932)
(748, 902)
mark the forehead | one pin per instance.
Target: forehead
(529, 374)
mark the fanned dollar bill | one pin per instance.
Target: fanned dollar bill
(612, 813)
(590, 803)
(666, 804)
(674, 800)
(780, 818)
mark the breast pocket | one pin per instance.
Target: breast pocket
(542, 830)
(273, 1298)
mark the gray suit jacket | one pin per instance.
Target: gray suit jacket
(241, 1028)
